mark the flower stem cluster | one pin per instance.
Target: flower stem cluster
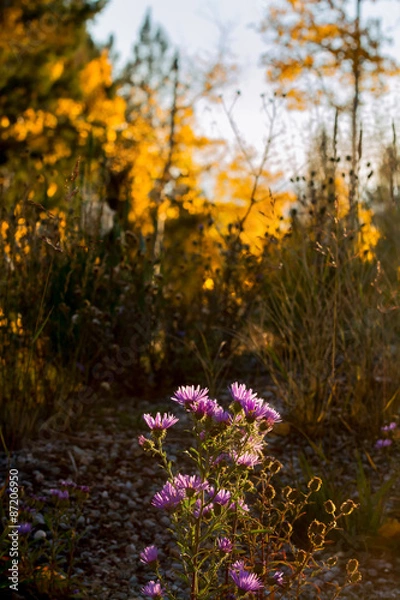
(388, 435)
(50, 527)
(232, 526)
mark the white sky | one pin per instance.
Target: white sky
(188, 23)
(192, 26)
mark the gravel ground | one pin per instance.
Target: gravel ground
(119, 520)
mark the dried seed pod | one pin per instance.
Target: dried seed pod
(314, 485)
(329, 507)
(347, 507)
(352, 566)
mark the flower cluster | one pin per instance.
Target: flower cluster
(188, 395)
(68, 487)
(50, 527)
(244, 580)
(154, 590)
(24, 528)
(169, 497)
(387, 431)
(225, 545)
(213, 521)
(60, 494)
(254, 408)
(160, 422)
(149, 555)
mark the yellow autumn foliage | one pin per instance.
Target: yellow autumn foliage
(369, 234)
(56, 70)
(32, 122)
(390, 529)
(13, 33)
(67, 107)
(313, 41)
(237, 198)
(96, 75)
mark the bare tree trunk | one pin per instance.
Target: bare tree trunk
(393, 166)
(159, 220)
(355, 140)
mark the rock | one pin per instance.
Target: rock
(149, 523)
(39, 535)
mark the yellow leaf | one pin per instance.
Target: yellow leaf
(51, 190)
(56, 70)
(390, 529)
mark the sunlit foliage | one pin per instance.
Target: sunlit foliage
(313, 45)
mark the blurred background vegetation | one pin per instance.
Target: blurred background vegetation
(138, 254)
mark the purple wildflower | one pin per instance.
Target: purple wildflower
(213, 408)
(61, 494)
(67, 483)
(383, 443)
(222, 416)
(271, 416)
(188, 394)
(224, 545)
(204, 407)
(389, 427)
(240, 393)
(246, 459)
(245, 581)
(240, 504)
(84, 488)
(149, 555)
(254, 408)
(204, 508)
(222, 497)
(24, 528)
(256, 445)
(169, 497)
(153, 589)
(190, 483)
(160, 422)
(278, 576)
(223, 457)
